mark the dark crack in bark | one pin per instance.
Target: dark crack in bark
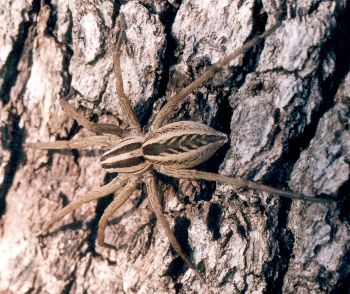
(15, 138)
(213, 220)
(9, 71)
(340, 44)
(177, 267)
(13, 141)
(167, 60)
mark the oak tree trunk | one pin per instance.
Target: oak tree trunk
(284, 105)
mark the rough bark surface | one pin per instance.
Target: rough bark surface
(285, 106)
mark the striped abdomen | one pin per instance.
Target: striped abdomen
(183, 144)
(126, 156)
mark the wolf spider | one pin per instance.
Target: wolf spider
(170, 149)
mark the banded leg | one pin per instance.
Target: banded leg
(174, 101)
(112, 208)
(235, 182)
(103, 191)
(157, 208)
(94, 141)
(123, 99)
(98, 128)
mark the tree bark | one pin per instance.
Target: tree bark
(284, 105)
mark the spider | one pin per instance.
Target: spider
(171, 149)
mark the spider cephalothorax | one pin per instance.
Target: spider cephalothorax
(170, 149)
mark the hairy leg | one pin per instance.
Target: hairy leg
(112, 208)
(98, 128)
(174, 101)
(157, 208)
(235, 182)
(94, 141)
(103, 191)
(123, 99)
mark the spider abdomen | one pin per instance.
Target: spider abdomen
(183, 144)
(126, 156)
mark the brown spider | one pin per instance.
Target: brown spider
(170, 149)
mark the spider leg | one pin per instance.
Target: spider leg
(111, 209)
(98, 128)
(157, 208)
(235, 182)
(123, 99)
(94, 141)
(93, 195)
(161, 117)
